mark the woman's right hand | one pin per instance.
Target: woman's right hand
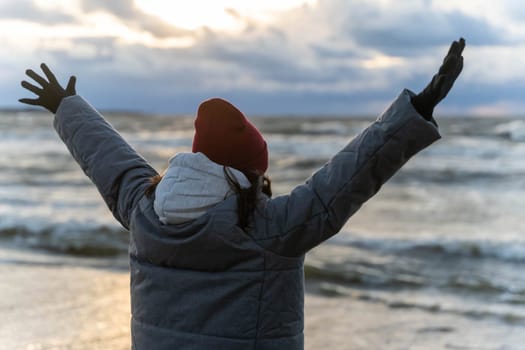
(51, 93)
(442, 82)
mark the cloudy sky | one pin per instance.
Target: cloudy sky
(344, 57)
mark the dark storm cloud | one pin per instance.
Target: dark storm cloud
(263, 62)
(27, 10)
(163, 80)
(397, 33)
(139, 77)
(129, 13)
(325, 51)
(271, 55)
(168, 97)
(310, 61)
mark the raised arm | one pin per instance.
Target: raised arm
(118, 171)
(318, 209)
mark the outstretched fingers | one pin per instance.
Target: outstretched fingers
(34, 89)
(461, 46)
(50, 93)
(453, 61)
(70, 89)
(36, 77)
(30, 101)
(456, 49)
(449, 64)
(50, 76)
(459, 66)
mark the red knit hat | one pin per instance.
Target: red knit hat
(226, 137)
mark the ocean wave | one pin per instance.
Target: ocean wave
(476, 310)
(362, 274)
(300, 163)
(454, 176)
(69, 238)
(325, 128)
(481, 269)
(511, 251)
(513, 130)
(411, 275)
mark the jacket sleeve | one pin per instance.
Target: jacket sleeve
(119, 172)
(316, 210)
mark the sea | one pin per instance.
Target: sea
(445, 235)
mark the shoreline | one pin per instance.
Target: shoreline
(60, 302)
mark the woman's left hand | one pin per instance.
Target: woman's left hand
(51, 93)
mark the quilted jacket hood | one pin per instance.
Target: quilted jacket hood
(191, 185)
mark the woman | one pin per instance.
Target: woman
(215, 262)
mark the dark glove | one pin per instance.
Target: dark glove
(442, 82)
(51, 93)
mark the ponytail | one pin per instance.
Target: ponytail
(247, 197)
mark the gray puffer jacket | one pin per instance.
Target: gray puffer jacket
(208, 284)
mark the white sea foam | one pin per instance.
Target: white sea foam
(514, 130)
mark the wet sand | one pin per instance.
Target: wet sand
(57, 302)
